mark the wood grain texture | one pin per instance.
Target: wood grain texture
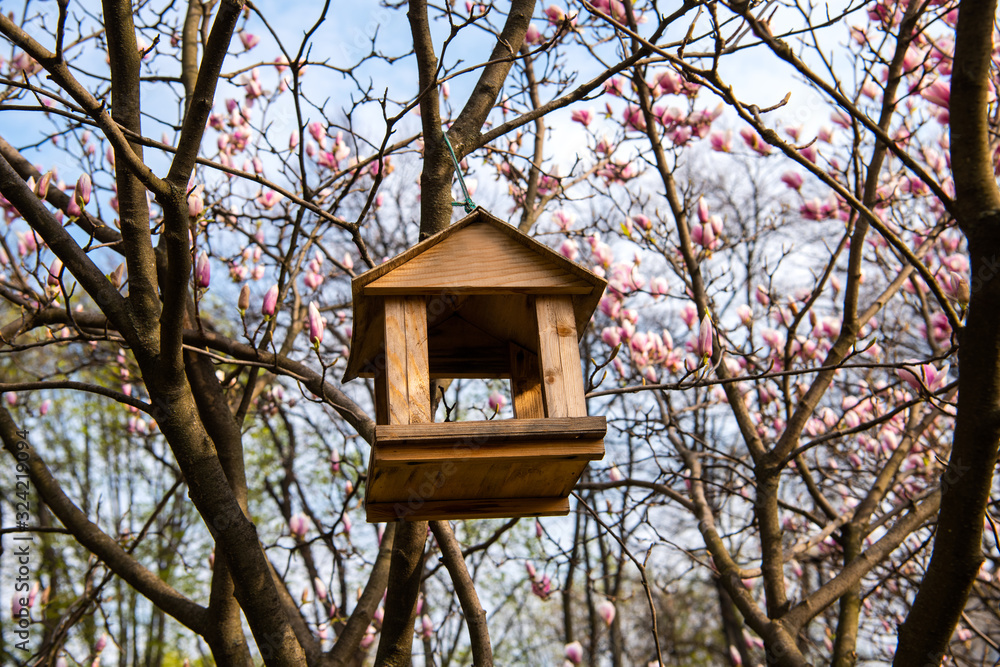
(395, 361)
(559, 356)
(502, 430)
(468, 509)
(418, 382)
(525, 384)
(406, 360)
(416, 464)
(479, 259)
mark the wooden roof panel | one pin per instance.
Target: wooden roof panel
(479, 258)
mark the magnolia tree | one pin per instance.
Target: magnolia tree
(794, 207)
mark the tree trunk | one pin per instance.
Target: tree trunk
(957, 555)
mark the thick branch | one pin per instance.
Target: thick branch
(475, 615)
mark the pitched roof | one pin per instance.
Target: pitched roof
(478, 255)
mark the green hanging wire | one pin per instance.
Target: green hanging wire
(469, 205)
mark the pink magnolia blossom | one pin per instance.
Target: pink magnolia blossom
(270, 303)
(705, 342)
(927, 378)
(268, 199)
(583, 116)
(574, 652)
(42, 187)
(634, 119)
(721, 141)
(569, 249)
(497, 401)
(249, 40)
(564, 219)
(542, 587)
(426, 627)
(298, 526)
(792, 179)
(320, 588)
(317, 324)
(202, 271)
(55, 268)
(533, 36)
(754, 142)
(82, 191)
(555, 14)
(606, 610)
(196, 201)
(938, 93)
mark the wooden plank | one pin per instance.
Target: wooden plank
(559, 353)
(473, 478)
(480, 257)
(495, 452)
(494, 508)
(525, 384)
(395, 361)
(406, 360)
(418, 383)
(503, 430)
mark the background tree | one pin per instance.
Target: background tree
(793, 263)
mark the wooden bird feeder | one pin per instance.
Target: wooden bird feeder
(478, 300)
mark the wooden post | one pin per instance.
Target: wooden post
(525, 384)
(406, 360)
(559, 356)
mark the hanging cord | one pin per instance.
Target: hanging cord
(469, 205)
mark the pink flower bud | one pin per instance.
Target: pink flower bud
(270, 304)
(706, 333)
(606, 610)
(497, 401)
(320, 589)
(81, 194)
(101, 643)
(426, 627)
(574, 652)
(298, 526)
(202, 271)
(244, 300)
(316, 325)
(54, 270)
(42, 187)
